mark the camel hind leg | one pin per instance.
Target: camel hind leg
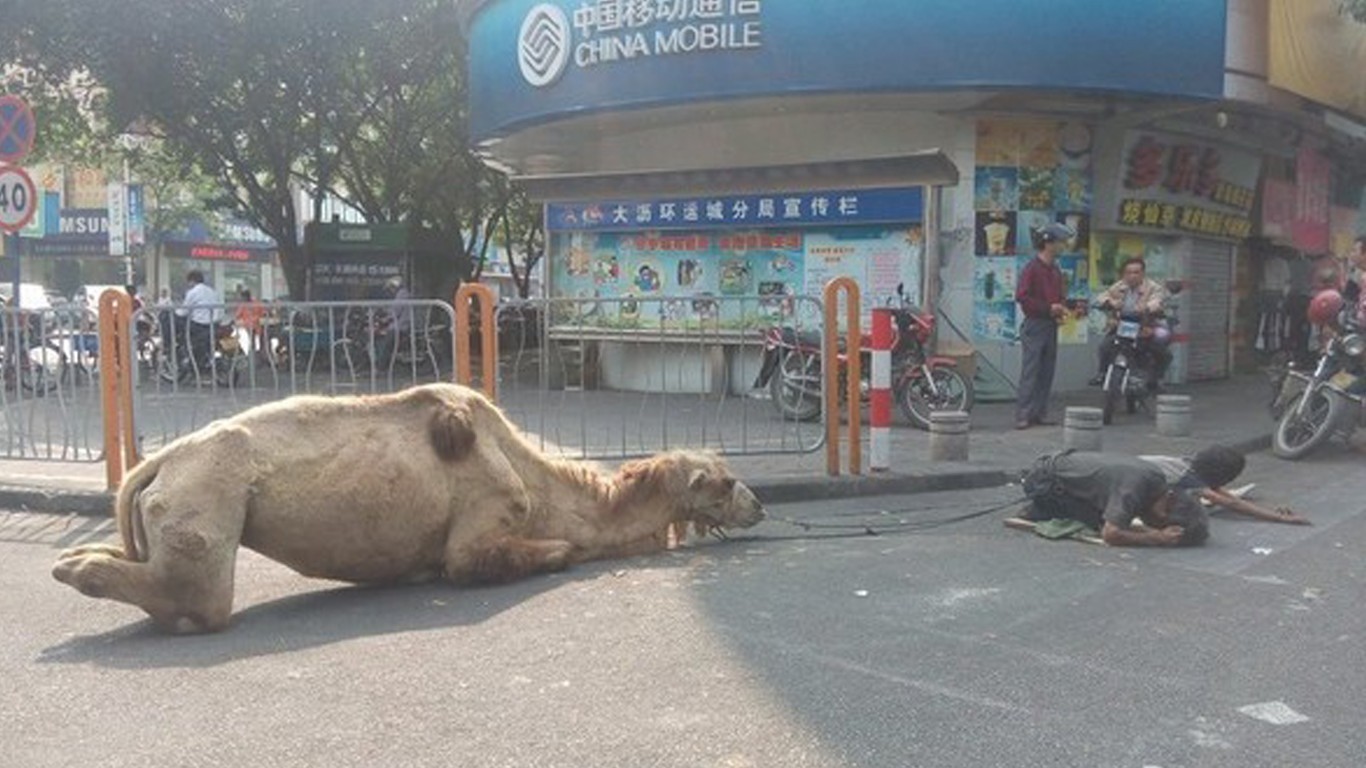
(193, 514)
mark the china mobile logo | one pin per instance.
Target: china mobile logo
(543, 45)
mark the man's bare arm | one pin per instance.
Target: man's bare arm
(1219, 497)
(1116, 536)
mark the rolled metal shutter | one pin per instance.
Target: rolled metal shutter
(1207, 309)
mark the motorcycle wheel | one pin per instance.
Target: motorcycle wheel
(796, 386)
(1295, 436)
(167, 371)
(227, 371)
(955, 393)
(1114, 392)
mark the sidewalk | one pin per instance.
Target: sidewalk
(1231, 412)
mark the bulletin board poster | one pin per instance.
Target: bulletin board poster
(1028, 173)
(725, 279)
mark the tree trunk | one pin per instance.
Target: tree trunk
(294, 261)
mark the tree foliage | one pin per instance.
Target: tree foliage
(1355, 8)
(279, 100)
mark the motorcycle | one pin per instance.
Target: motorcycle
(921, 383)
(1131, 376)
(176, 363)
(1312, 407)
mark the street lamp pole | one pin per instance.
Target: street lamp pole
(127, 247)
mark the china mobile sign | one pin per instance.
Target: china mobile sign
(602, 32)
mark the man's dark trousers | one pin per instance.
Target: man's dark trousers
(1039, 343)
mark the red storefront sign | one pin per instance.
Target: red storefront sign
(1313, 175)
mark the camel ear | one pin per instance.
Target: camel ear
(697, 478)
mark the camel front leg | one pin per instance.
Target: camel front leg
(500, 559)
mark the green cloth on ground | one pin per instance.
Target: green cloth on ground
(1063, 528)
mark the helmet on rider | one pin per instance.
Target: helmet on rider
(1325, 307)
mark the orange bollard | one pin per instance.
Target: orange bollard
(488, 334)
(853, 374)
(110, 302)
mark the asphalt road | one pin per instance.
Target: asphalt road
(963, 645)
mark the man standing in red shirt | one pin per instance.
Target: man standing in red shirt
(1040, 294)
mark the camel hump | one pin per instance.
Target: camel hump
(451, 429)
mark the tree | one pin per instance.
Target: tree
(1354, 8)
(279, 98)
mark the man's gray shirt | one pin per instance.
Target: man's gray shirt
(1119, 488)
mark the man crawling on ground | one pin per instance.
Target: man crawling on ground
(1206, 475)
(1109, 492)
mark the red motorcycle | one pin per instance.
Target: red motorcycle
(921, 384)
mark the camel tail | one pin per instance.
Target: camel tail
(128, 510)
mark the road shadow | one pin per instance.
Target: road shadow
(323, 617)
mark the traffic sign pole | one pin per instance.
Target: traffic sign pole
(18, 195)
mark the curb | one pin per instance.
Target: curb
(770, 490)
(84, 503)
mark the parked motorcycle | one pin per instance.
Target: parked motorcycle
(176, 362)
(1312, 407)
(921, 383)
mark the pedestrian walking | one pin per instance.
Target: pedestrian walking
(1040, 294)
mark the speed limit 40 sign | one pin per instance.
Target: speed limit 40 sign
(18, 198)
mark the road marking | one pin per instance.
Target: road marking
(1274, 712)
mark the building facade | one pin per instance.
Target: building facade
(755, 148)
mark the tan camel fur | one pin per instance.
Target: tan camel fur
(427, 483)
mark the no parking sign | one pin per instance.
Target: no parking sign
(17, 129)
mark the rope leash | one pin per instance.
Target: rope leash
(852, 530)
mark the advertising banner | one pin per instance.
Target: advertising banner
(1175, 185)
(1318, 52)
(137, 216)
(118, 219)
(758, 271)
(1313, 177)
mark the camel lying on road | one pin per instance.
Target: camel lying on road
(432, 482)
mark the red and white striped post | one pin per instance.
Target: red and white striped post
(880, 393)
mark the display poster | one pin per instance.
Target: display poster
(725, 279)
(1028, 174)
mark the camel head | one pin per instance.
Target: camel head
(699, 488)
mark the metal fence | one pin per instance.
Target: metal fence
(49, 404)
(197, 364)
(625, 377)
(588, 378)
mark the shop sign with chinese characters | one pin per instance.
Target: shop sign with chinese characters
(843, 207)
(1180, 186)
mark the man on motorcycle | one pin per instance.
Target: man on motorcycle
(1134, 293)
(201, 312)
(1356, 290)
